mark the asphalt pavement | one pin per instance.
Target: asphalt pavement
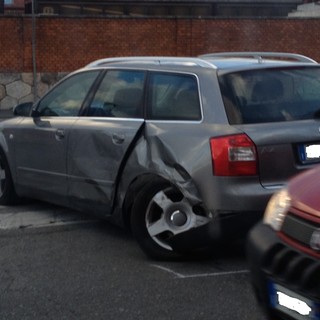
(58, 264)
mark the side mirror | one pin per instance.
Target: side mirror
(23, 109)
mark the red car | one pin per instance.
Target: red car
(284, 251)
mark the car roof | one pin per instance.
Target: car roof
(223, 61)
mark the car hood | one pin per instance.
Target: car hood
(304, 191)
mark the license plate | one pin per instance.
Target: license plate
(293, 304)
(309, 152)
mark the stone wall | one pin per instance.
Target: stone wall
(17, 88)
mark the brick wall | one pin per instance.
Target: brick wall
(64, 44)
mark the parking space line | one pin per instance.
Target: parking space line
(199, 275)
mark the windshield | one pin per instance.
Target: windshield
(271, 95)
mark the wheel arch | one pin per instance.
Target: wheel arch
(4, 145)
(151, 158)
(8, 195)
(189, 190)
(133, 189)
(4, 152)
(7, 151)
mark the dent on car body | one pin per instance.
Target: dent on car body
(152, 153)
(97, 160)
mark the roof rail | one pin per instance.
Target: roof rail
(260, 55)
(156, 60)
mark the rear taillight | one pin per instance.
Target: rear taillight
(233, 156)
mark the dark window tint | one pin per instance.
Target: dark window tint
(67, 98)
(119, 95)
(271, 95)
(173, 97)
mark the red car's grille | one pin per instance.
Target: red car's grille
(299, 229)
(297, 269)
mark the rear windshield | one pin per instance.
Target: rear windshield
(271, 95)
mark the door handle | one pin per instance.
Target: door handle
(59, 134)
(118, 138)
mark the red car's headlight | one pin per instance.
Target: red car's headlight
(277, 209)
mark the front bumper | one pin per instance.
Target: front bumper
(274, 264)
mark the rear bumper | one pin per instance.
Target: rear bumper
(234, 194)
(222, 229)
(197, 238)
(272, 262)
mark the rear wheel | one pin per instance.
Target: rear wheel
(160, 211)
(7, 192)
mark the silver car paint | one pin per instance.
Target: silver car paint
(160, 149)
(96, 149)
(40, 152)
(126, 150)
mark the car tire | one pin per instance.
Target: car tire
(8, 195)
(144, 212)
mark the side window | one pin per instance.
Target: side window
(119, 95)
(308, 88)
(173, 97)
(66, 99)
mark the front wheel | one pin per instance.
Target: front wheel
(7, 193)
(160, 211)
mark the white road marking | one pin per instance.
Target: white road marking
(199, 275)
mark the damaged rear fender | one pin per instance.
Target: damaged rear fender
(152, 162)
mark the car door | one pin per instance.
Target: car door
(101, 139)
(41, 140)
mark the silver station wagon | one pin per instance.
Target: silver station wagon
(184, 151)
